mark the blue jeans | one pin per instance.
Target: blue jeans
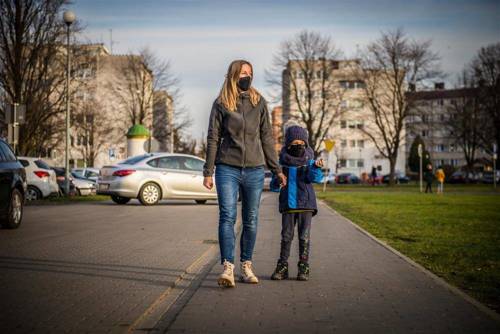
(229, 180)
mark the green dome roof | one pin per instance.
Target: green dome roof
(138, 131)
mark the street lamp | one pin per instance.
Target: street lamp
(68, 17)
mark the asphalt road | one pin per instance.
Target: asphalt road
(99, 267)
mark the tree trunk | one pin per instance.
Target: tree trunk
(392, 163)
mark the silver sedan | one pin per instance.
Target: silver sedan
(155, 176)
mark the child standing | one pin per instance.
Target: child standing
(297, 200)
(440, 176)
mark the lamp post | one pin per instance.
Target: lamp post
(68, 17)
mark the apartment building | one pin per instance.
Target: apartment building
(429, 121)
(342, 98)
(109, 92)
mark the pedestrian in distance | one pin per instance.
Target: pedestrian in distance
(239, 144)
(374, 175)
(440, 176)
(429, 178)
(297, 200)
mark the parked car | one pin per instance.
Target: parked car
(13, 187)
(155, 176)
(399, 177)
(267, 180)
(41, 179)
(61, 177)
(84, 187)
(89, 173)
(329, 178)
(347, 178)
(487, 177)
(461, 177)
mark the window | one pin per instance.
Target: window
(425, 133)
(352, 143)
(343, 124)
(361, 143)
(153, 163)
(7, 152)
(356, 104)
(42, 164)
(169, 163)
(361, 163)
(359, 84)
(344, 84)
(25, 163)
(342, 163)
(193, 164)
(343, 143)
(352, 125)
(359, 124)
(134, 160)
(343, 104)
(352, 163)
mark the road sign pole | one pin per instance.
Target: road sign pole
(420, 154)
(14, 124)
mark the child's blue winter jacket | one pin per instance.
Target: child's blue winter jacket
(298, 192)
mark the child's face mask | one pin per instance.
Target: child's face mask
(296, 150)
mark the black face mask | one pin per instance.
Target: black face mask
(296, 150)
(244, 83)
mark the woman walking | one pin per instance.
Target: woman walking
(239, 144)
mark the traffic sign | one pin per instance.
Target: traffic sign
(329, 144)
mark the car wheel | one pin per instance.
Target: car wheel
(15, 212)
(33, 194)
(150, 194)
(120, 199)
(201, 201)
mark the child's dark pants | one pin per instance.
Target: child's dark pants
(288, 222)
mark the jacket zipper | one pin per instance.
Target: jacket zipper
(244, 135)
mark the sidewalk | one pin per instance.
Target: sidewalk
(356, 286)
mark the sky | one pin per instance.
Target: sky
(200, 38)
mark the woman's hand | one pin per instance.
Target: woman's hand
(208, 182)
(282, 178)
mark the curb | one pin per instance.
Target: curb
(440, 281)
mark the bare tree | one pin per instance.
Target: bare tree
(389, 65)
(303, 69)
(485, 68)
(148, 75)
(32, 66)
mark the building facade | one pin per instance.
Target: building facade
(342, 99)
(109, 94)
(428, 120)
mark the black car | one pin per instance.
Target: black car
(61, 181)
(12, 187)
(347, 178)
(399, 178)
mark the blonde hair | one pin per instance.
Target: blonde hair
(230, 93)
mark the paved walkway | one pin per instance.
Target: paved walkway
(356, 286)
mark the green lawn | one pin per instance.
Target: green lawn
(455, 235)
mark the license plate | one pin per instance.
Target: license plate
(103, 186)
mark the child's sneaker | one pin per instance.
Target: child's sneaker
(247, 275)
(281, 271)
(226, 279)
(303, 274)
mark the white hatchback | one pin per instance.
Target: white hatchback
(40, 177)
(153, 177)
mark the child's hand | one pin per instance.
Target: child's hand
(319, 163)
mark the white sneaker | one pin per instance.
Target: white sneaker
(247, 274)
(226, 279)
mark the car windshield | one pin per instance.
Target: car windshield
(41, 164)
(134, 160)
